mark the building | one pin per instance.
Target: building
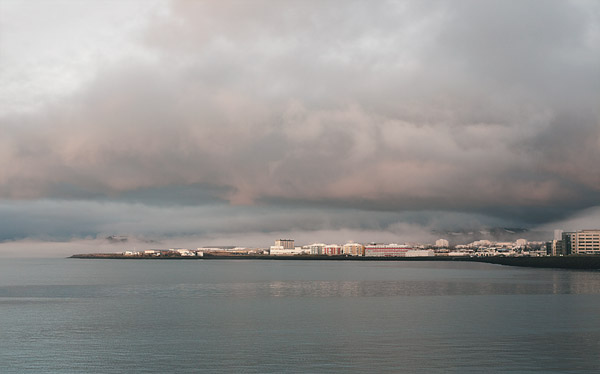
(386, 250)
(285, 243)
(285, 247)
(316, 248)
(420, 253)
(442, 243)
(586, 242)
(568, 239)
(278, 250)
(183, 252)
(353, 249)
(332, 250)
(555, 248)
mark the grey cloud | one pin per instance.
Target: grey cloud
(67, 219)
(484, 108)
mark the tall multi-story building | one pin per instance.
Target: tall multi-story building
(568, 239)
(285, 243)
(442, 243)
(586, 242)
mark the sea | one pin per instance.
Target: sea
(254, 316)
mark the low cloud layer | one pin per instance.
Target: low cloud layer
(483, 111)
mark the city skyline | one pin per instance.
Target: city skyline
(235, 122)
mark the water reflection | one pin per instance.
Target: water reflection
(575, 282)
(361, 283)
(224, 317)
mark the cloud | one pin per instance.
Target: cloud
(65, 220)
(582, 220)
(477, 109)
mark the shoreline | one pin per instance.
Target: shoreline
(552, 262)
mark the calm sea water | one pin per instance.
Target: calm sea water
(127, 316)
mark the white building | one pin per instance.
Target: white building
(183, 252)
(442, 243)
(458, 253)
(387, 250)
(278, 250)
(419, 253)
(316, 248)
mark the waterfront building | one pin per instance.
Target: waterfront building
(458, 253)
(332, 250)
(586, 242)
(442, 243)
(316, 248)
(279, 250)
(521, 243)
(419, 253)
(537, 251)
(568, 238)
(386, 250)
(209, 249)
(556, 248)
(183, 252)
(353, 249)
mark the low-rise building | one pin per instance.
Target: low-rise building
(420, 253)
(353, 249)
(316, 248)
(278, 250)
(386, 250)
(183, 252)
(332, 250)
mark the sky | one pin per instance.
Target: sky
(191, 123)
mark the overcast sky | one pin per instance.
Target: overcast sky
(237, 122)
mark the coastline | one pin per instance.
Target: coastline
(555, 262)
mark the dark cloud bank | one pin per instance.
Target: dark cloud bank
(304, 116)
